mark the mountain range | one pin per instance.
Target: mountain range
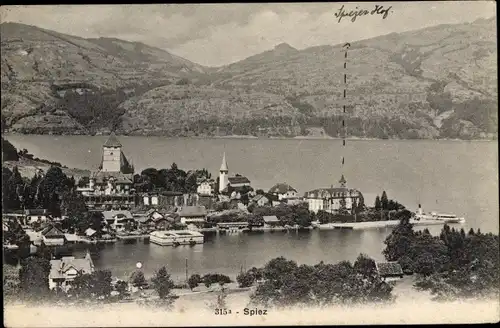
(436, 82)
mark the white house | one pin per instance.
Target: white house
(283, 191)
(35, 215)
(260, 200)
(118, 219)
(205, 187)
(331, 199)
(193, 214)
(150, 199)
(64, 271)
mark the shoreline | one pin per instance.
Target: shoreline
(250, 137)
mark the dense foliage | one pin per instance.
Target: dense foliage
(287, 214)
(34, 276)
(163, 285)
(173, 179)
(453, 264)
(9, 152)
(40, 192)
(288, 284)
(96, 284)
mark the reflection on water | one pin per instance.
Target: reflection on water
(227, 254)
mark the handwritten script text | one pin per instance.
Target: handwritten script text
(379, 10)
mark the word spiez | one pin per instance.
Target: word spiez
(379, 10)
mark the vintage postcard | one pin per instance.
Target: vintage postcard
(250, 164)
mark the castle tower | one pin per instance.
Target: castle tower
(223, 174)
(342, 182)
(111, 155)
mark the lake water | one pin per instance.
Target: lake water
(446, 176)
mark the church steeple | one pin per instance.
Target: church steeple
(223, 174)
(223, 166)
(342, 181)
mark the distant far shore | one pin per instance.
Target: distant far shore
(251, 137)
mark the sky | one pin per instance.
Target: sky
(219, 34)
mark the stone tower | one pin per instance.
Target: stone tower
(223, 174)
(111, 155)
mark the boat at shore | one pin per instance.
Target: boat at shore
(376, 224)
(443, 217)
(176, 237)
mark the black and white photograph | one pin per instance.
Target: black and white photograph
(249, 164)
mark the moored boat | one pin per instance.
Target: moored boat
(441, 217)
(176, 237)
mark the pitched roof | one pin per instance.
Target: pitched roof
(112, 141)
(190, 211)
(238, 179)
(389, 268)
(110, 215)
(259, 197)
(270, 218)
(223, 166)
(102, 176)
(281, 188)
(52, 231)
(58, 268)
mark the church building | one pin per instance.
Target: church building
(111, 186)
(236, 182)
(333, 199)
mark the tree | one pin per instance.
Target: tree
(365, 266)
(83, 182)
(361, 204)
(384, 201)
(121, 287)
(73, 205)
(245, 279)
(34, 276)
(194, 280)
(137, 279)
(163, 284)
(9, 152)
(400, 241)
(101, 283)
(378, 204)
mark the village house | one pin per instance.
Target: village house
(331, 199)
(389, 271)
(64, 271)
(52, 236)
(193, 214)
(164, 199)
(260, 200)
(118, 220)
(205, 187)
(152, 219)
(283, 191)
(232, 226)
(111, 186)
(35, 215)
(271, 221)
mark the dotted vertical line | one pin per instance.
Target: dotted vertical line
(344, 128)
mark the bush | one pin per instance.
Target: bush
(245, 279)
(194, 281)
(214, 278)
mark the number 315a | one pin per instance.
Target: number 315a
(222, 311)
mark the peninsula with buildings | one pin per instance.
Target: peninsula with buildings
(114, 202)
